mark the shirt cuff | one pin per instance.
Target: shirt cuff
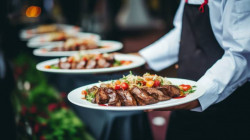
(156, 62)
(209, 97)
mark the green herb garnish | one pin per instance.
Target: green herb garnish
(54, 67)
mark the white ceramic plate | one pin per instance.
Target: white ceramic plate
(75, 97)
(43, 40)
(28, 33)
(112, 46)
(137, 62)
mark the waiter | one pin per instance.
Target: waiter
(211, 44)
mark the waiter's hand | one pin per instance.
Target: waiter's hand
(186, 106)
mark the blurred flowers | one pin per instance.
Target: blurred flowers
(41, 111)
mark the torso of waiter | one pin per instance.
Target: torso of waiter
(199, 50)
(210, 43)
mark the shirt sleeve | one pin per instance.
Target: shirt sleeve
(233, 69)
(164, 52)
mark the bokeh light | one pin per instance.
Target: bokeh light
(33, 11)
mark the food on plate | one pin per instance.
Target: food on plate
(57, 36)
(88, 61)
(134, 90)
(47, 28)
(77, 44)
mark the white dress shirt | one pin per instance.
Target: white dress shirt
(230, 21)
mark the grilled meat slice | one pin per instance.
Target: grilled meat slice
(126, 98)
(143, 96)
(113, 97)
(102, 63)
(64, 65)
(170, 90)
(81, 65)
(101, 96)
(157, 94)
(139, 101)
(93, 89)
(73, 65)
(91, 64)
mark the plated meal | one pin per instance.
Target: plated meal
(72, 46)
(69, 38)
(133, 92)
(91, 63)
(88, 61)
(47, 28)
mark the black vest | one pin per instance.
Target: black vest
(199, 50)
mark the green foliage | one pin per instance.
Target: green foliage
(40, 110)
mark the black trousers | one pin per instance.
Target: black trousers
(227, 120)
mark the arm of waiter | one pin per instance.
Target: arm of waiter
(232, 70)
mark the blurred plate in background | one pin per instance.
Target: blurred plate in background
(109, 46)
(137, 61)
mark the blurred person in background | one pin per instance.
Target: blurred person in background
(210, 43)
(8, 128)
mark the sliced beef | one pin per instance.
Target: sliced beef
(91, 64)
(81, 65)
(93, 89)
(101, 96)
(64, 65)
(83, 47)
(102, 63)
(110, 58)
(142, 96)
(157, 94)
(170, 90)
(126, 98)
(73, 65)
(113, 97)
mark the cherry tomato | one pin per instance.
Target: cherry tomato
(143, 83)
(84, 92)
(47, 66)
(117, 87)
(70, 59)
(117, 82)
(127, 63)
(124, 86)
(84, 59)
(150, 83)
(157, 83)
(185, 87)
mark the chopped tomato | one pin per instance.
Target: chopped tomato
(117, 82)
(70, 59)
(47, 66)
(157, 83)
(143, 83)
(185, 87)
(126, 62)
(84, 92)
(117, 87)
(124, 85)
(84, 59)
(150, 83)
